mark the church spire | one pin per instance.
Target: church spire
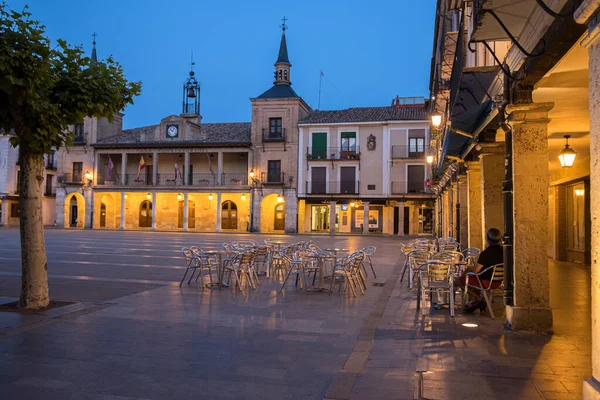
(94, 56)
(282, 65)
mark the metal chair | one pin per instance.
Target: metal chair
(438, 278)
(241, 266)
(416, 260)
(293, 266)
(208, 261)
(348, 269)
(487, 287)
(192, 264)
(471, 254)
(369, 251)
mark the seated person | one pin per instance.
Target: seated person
(492, 255)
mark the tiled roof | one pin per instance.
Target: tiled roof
(212, 134)
(367, 114)
(282, 91)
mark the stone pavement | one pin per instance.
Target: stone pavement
(149, 339)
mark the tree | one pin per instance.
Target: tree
(44, 88)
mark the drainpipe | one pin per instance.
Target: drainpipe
(507, 197)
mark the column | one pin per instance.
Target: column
(185, 211)
(95, 171)
(492, 174)
(123, 169)
(186, 168)
(220, 167)
(4, 212)
(474, 237)
(531, 309)
(452, 227)
(154, 208)
(332, 217)
(218, 211)
(123, 210)
(588, 13)
(366, 218)
(401, 219)
(463, 200)
(88, 219)
(154, 170)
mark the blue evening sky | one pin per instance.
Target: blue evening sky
(369, 51)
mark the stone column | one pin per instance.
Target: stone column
(474, 236)
(154, 170)
(463, 200)
(123, 169)
(291, 211)
(123, 210)
(220, 167)
(96, 170)
(154, 208)
(185, 212)
(88, 195)
(186, 168)
(4, 212)
(366, 218)
(332, 217)
(401, 219)
(218, 212)
(451, 230)
(589, 13)
(531, 310)
(492, 174)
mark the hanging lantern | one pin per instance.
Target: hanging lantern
(436, 120)
(251, 173)
(210, 196)
(179, 196)
(429, 159)
(148, 196)
(280, 199)
(243, 197)
(567, 155)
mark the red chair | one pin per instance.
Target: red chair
(487, 287)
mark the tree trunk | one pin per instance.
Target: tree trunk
(34, 278)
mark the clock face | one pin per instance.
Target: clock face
(172, 131)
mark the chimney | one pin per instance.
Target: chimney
(396, 102)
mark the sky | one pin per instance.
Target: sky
(369, 51)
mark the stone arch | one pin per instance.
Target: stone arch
(229, 215)
(108, 212)
(74, 211)
(267, 214)
(145, 214)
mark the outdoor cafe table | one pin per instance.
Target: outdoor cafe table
(321, 258)
(220, 269)
(277, 243)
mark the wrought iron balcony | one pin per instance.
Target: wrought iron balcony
(268, 136)
(71, 179)
(272, 179)
(332, 187)
(332, 153)
(410, 187)
(404, 151)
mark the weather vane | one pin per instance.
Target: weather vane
(192, 63)
(94, 36)
(283, 25)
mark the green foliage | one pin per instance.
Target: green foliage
(46, 88)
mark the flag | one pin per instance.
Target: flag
(210, 167)
(176, 170)
(141, 166)
(109, 168)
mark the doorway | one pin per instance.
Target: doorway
(146, 214)
(191, 215)
(73, 212)
(102, 215)
(229, 215)
(426, 220)
(396, 219)
(279, 224)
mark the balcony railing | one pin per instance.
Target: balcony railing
(238, 179)
(134, 180)
(273, 137)
(272, 179)
(168, 180)
(71, 179)
(407, 152)
(410, 187)
(332, 187)
(332, 153)
(200, 179)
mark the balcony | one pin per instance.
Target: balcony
(332, 153)
(71, 179)
(410, 187)
(51, 164)
(332, 187)
(273, 137)
(198, 180)
(272, 179)
(405, 152)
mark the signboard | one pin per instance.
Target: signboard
(373, 218)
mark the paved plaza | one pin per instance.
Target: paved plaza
(133, 333)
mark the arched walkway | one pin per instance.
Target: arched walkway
(270, 208)
(229, 216)
(145, 214)
(107, 212)
(74, 212)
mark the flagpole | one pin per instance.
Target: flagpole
(320, 79)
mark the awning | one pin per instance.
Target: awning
(465, 128)
(513, 13)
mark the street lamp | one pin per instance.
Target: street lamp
(210, 196)
(243, 197)
(148, 196)
(179, 196)
(251, 173)
(429, 159)
(88, 176)
(280, 198)
(567, 155)
(436, 120)
(352, 204)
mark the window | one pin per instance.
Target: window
(275, 128)
(416, 145)
(274, 171)
(371, 187)
(15, 211)
(77, 171)
(348, 141)
(49, 185)
(576, 217)
(51, 159)
(78, 133)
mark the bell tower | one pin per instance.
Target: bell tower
(282, 65)
(191, 93)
